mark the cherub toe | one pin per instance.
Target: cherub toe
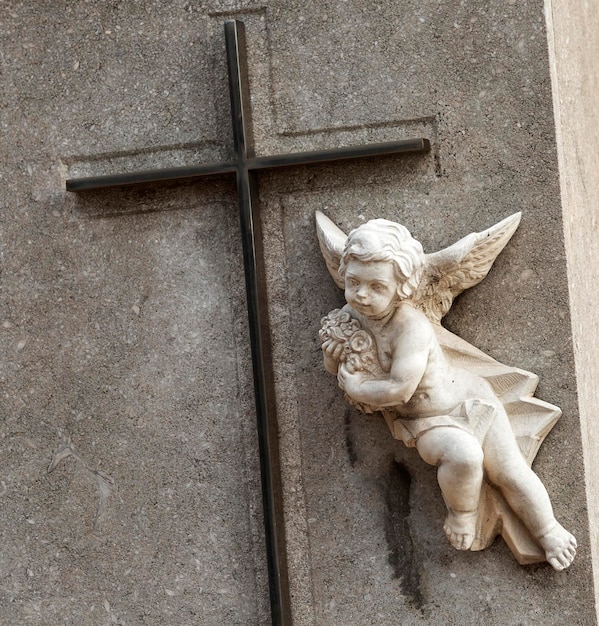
(557, 566)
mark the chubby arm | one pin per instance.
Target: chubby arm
(411, 349)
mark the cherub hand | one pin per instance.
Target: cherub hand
(348, 380)
(332, 349)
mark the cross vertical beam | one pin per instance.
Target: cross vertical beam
(245, 166)
(255, 281)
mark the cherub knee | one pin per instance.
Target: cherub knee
(467, 454)
(465, 457)
(450, 446)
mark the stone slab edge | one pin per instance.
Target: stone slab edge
(573, 38)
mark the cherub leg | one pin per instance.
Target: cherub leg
(459, 458)
(525, 493)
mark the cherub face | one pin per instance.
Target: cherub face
(371, 287)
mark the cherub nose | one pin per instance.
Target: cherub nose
(362, 292)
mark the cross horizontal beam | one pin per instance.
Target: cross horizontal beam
(405, 146)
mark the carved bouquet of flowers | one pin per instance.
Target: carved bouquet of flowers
(356, 347)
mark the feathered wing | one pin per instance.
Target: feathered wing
(332, 241)
(464, 264)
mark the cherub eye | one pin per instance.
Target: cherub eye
(377, 287)
(352, 281)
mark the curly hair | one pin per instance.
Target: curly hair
(382, 240)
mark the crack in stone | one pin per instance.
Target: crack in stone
(105, 483)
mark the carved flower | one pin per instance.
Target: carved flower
(339, 316)
(360, 341)
(355, 362)
(358, 348)
(335, 318)
(369, 363)
(351, 327)
(339, 326)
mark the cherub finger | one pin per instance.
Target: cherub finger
(325, 344)
(338, 350)
(329, 347)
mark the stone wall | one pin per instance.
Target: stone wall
(126, 369)
(130, 486)
(475, 80)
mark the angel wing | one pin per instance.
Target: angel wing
(332, 241)
(464, 264)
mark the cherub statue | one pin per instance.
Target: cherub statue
(472, 417)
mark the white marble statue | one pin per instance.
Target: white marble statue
(472, 417)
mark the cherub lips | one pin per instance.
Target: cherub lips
(368, 310)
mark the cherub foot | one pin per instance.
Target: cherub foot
(460, 528)
(559, 546)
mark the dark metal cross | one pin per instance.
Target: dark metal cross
(245, 166)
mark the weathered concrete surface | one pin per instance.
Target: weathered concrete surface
(125, 351)
(125, 366)
(573, 33)
(477, 78)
